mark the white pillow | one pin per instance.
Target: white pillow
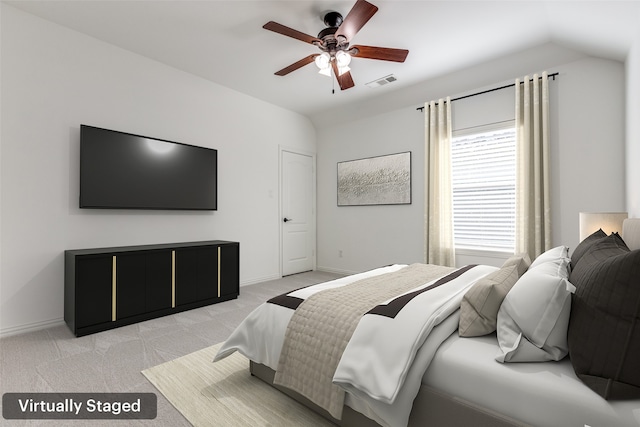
(534, 316)
(553, 254)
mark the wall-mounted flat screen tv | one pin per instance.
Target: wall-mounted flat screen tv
(124, 171)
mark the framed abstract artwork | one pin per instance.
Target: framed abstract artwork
(382, 180)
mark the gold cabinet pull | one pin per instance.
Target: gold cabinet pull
(173, 279)
(219, 257)
(113, 288)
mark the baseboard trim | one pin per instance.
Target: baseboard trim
(30, 327)
(259, 280)
(336, 271)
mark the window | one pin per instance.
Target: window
(483, 167)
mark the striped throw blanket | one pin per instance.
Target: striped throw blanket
(323, 324)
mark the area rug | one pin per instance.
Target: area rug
(225, 394)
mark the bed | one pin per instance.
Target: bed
(426, 355)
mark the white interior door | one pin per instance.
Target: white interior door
(298, 212)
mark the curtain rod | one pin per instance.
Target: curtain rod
(553, 75)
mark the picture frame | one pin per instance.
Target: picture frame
(380, 180)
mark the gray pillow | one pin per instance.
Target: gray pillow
(480, 305)
(521, 261)
(583, 246)
(604, 329)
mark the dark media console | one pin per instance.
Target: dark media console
(110, 287)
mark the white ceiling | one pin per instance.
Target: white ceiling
(224, 42)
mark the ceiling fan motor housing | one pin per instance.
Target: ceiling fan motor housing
(329, 31)
(330, 43)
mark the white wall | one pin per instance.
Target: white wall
(633, 128)
(587, 171)
(369, 236)
(54, 79)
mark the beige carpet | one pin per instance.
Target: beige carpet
(225, 394)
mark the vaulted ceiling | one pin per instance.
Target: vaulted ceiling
(224, 42)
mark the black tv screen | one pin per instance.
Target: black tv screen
(124, 171)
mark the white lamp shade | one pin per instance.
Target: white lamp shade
(609, 222)
(323, 60)
(342, 59)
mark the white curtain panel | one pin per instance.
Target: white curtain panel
(438, 209)
(533, 213)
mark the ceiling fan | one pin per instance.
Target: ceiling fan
(334, 41)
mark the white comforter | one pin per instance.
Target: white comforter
(383, 364)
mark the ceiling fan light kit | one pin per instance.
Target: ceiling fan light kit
(334, 41)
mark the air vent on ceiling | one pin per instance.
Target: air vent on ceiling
(383, 81)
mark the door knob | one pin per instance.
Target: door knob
(287, 219)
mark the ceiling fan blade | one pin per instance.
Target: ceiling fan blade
(382, 53)
(345, 80)
(359, 15)
(304, 61)
(290, 32)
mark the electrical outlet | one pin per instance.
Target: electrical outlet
(340, 253)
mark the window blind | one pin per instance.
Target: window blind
(483, 182)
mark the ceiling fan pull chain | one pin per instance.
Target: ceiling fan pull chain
(333, 83)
